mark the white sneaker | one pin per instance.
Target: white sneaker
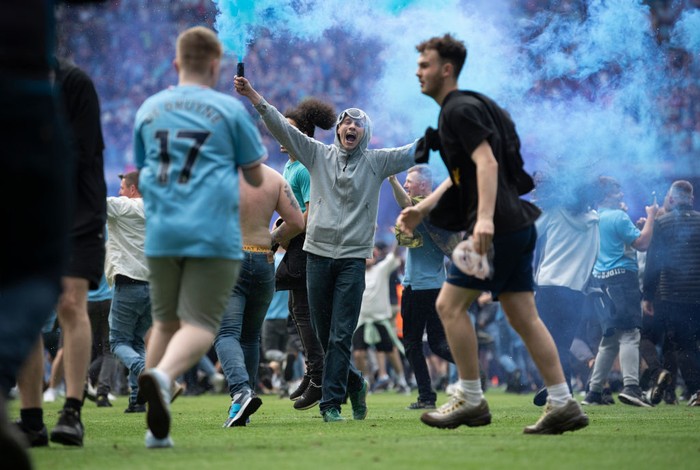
(50, 395)
(152, 442)
(451, 388)
(217, 381)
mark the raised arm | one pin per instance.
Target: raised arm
(244, 88)
(412, 216)
(399, 193)
(297, 143)
(644, 240)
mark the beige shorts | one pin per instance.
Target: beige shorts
(192, 290)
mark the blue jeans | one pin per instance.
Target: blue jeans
(335, 294)
(238, 341)
(24, 307)
(419, 315)
(129, 321)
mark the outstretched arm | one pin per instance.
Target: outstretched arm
(642, 243)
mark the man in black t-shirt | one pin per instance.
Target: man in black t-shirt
(472, 146)
(84, 267)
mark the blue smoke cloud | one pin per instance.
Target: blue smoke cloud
(582, 84)
(686, 33)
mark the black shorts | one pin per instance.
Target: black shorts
(512, 263)
(384, 345)
(87, 258)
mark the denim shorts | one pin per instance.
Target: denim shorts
(513, 255)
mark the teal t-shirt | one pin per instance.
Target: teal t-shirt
(298, 178)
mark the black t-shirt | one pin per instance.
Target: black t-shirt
(82, 110)
(464, 124)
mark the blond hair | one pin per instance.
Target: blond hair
(196, 48)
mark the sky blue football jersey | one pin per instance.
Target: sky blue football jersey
(189, 142)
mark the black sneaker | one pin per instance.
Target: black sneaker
(103, 401)
(632, 395)
(658, 387)
(421, 405)
(34, 438)
(69, 430)
(12, 444)
(135, 408)
(540, 398)
(296, 394)
(310, 397)
(593, 398)
(670, 397)
(694, 399)
(607, 397)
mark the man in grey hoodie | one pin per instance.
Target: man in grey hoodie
(345, 180)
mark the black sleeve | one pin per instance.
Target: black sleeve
(83, 111)
(652, 269)
(467, 124)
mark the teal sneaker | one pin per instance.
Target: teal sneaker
(332, 416)
(243, 404)
(358, 400)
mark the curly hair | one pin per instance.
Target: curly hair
(311, 113)
(448, 48)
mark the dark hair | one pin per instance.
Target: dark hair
(131, 178)
(448, 48)
(310, 114)
(608, 186)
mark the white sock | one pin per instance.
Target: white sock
(472, 391)
(559, 394)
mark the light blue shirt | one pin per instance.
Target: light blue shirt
(103, 291)
(189, 142)
(617, 233)
(425, 265)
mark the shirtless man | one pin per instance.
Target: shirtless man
(238, 341)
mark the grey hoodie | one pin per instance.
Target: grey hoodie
(345, 186)
(569, 247)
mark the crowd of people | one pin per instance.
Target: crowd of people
(119, 45)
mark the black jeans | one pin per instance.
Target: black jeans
(419, 314)
(683, 326)
(313, 351)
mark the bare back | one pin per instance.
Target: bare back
(258, 205)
